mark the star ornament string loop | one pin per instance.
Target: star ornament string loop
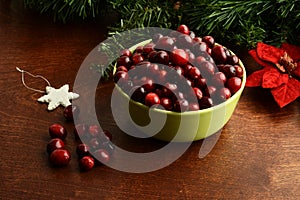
(54, 97)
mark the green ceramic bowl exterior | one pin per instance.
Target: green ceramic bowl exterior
(186, 126)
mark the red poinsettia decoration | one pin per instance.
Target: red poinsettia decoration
(280, 72)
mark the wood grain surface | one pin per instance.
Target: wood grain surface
(256, 156)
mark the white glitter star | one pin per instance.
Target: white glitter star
(56, 97)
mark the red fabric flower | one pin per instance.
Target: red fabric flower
(284, 84)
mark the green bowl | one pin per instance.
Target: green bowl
(180, 127)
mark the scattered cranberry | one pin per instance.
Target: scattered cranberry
(60, 157)
(183, 29)
(152, 99)
(86, 163)
(82, 150)
(102, 155)
(54, 144)
(57, 131)
(71, 112)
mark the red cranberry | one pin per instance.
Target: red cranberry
(234, 84)
(179, 57)
(152, 99)
(224, 93)
(126, 52)
(122, 68)
(54, 144)
(102, 155)
(210, 91)
(152, 56)
(139, 49)
(60, 157)
(209, 40)
(165, 43)
(82, 150)
(194, 73)
(181, 105)
(184, 41)
(57, 131)
(148, 84)
(183, 29)
(198, 93)
(121, 76)
(232, 60)
(94, 130)
(124, 61)
(239, 71)
(169, 89)
(162, 57)
(71, 112)
(198, 47)
(192, 34)
(205, 102)
(201, 83)
(156, 37)
(218, 53)
(229, 71)
(148, 48)
(137, 58)
(138, 94)
(80, 130)
(166, 103)
(86, 163)
(219, 79)
(207, 69)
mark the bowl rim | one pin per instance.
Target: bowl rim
(187, 113)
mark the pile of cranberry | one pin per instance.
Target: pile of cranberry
(179, 72)
(96, 149)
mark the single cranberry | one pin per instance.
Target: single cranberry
(210, 91)
(152, 99)
(199, 47)
(94, 143)
(198, 93)
(94, 130)
(187, 68)
(121, 77)
(192, 57)
(139, 49)
(179, 57)
(194, 73)
(156, 37)
(201, 83)
(152, 56)
(60, 157)
(234, 84)
(124, 61)
(224, 93)
(137, 58)
(233, 60)
(54, 144)
(148, 48)
(219, 79)
(184, 41)
(71, 112)
(165, 43)
(82, 150)
(208, 50)
(205, 102)
(239, 72)
(138, 94)
(80, 130)
(209, 40)
(207, 69)
(181, 105)
(86, 163)
(167, 103)
(148, 84)
(162, 57)
(229, 71)
(218, 53)
(183, 29)
(57, 131)
(126, 52)
(102, 155)
(122, 68)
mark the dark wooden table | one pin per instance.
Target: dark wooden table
(256, 156)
